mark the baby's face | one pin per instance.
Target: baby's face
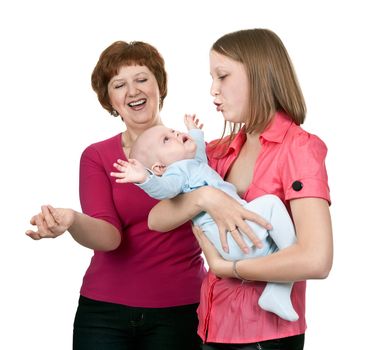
(169, 145)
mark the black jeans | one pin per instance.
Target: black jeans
(107, 326)
(290, 343)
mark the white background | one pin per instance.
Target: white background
(49, 114)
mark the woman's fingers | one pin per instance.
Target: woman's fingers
(215, 262)
(230, 217)
(33, 220)
(235, 225)
(48, 218)
(245, 229)
(251, 216)
(54, 214)
(238, 227)
(223, 237)
(42, 228)
(34, 235)
(235, 233)
(207, 247)
(197, 233)
(50, 222)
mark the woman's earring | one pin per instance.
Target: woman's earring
(115, 113)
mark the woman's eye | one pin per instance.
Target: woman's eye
(118, 86)
(142, 80)
(221, 77)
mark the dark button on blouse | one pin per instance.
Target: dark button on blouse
(297, 186)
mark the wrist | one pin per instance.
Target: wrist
(203, 196)
(74, 216)
(145, 177)
(235, 272)
(222, 268)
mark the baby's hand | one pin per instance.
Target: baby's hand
(192, 122)
(130, 171)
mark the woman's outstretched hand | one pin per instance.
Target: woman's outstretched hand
(218, 266)
(230, 216)
(51, 222)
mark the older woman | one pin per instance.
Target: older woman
(142, 287)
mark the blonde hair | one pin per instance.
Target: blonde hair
(273, 82)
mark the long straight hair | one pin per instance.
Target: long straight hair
(273, 83)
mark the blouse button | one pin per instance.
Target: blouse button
(297, 186)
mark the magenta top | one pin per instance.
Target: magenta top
(149, 268)
(291, 165)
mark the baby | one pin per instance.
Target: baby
(164, 163)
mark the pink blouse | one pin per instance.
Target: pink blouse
(149, 268)
(291, 165)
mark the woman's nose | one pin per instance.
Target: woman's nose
(132, 90)
(214, 91)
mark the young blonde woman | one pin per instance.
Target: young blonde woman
(255, 88)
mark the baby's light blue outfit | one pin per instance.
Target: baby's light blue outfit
(190, 174)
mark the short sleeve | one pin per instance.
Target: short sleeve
(303, 170)
(95, 189)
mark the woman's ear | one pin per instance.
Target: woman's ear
(158, 169)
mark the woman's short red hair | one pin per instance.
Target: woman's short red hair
(121, 53)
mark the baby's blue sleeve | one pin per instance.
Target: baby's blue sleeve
(169, 185)
(197, 135)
